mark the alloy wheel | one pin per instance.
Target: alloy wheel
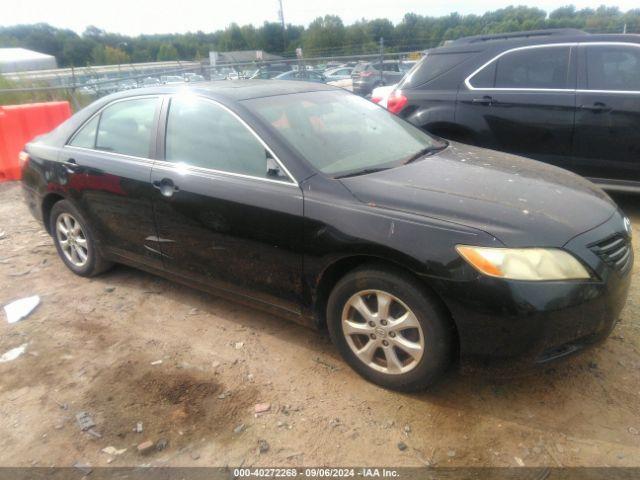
(72, 240)
(383, 332)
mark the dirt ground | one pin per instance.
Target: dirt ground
(95, 346)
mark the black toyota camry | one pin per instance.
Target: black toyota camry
(323, 207)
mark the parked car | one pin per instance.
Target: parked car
(196, 78)
(560, 96)
(302, 75)
(367, 76)
(220, 73)
(265, 74)
(150, 82)
(380, 95)
(171, 79)
(88, 90)
(320, 206)
(407, 65)
(335, 74)
(346, 84)
(127, 85)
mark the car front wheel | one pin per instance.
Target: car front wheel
(389, 328)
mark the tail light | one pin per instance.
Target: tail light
(376, 99)
(396, 102)
(366, 74)
(23, 160)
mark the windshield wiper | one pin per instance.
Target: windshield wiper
(362, 172)
(425, 151)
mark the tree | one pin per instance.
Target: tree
(106, 55)
(232, 39)
(325, 36)
(270, 37)
(167, 52)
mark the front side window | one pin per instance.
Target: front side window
(126, 127)
(529, 68)
(339, 133)
(534, 68)
(613, 67)
(203, 134)
(485, 78)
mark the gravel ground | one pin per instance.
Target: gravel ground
(128, 347)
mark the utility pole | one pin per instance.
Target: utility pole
(381, 59)
(624, 29)
(284, 28)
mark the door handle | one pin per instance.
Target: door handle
(166, 186)
(486, 100)
(71, 166)
(597, 107)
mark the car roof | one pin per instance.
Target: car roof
(235, 90)
(483, 42)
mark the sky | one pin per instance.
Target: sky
(134, 17)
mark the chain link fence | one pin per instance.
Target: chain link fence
(81, 86)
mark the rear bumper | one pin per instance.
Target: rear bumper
(33, 201)
(515, 324)
(362, 87)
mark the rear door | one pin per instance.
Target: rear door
(606, 144)
(227, 212)
(523, 102)
(391, 73)
(108, 169)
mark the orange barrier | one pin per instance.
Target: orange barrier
(19, 124)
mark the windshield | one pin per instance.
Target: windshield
(340, 133)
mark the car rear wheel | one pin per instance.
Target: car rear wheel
(75, 241)
(389, 328)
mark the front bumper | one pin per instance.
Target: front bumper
(518, 323)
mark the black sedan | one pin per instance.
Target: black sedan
(323, 207)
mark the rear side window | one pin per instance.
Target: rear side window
(86, 136)
(360, 67)
(434, 65)
(126, 127)
(613, 67)
(546, 68)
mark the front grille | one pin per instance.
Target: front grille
(616, 252)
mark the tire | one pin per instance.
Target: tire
(90, 261)
(412, 372)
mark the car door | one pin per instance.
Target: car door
(391, 73)
(606, 144)
(523, 102)
(228, 213)
(108, 161)
(341, 74)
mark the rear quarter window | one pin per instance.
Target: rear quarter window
(432, 66)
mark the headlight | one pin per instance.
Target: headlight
(524, 263)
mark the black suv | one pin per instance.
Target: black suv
(560, 96)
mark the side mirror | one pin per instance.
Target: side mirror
(273, 169)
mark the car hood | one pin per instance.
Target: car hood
(521, 202)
